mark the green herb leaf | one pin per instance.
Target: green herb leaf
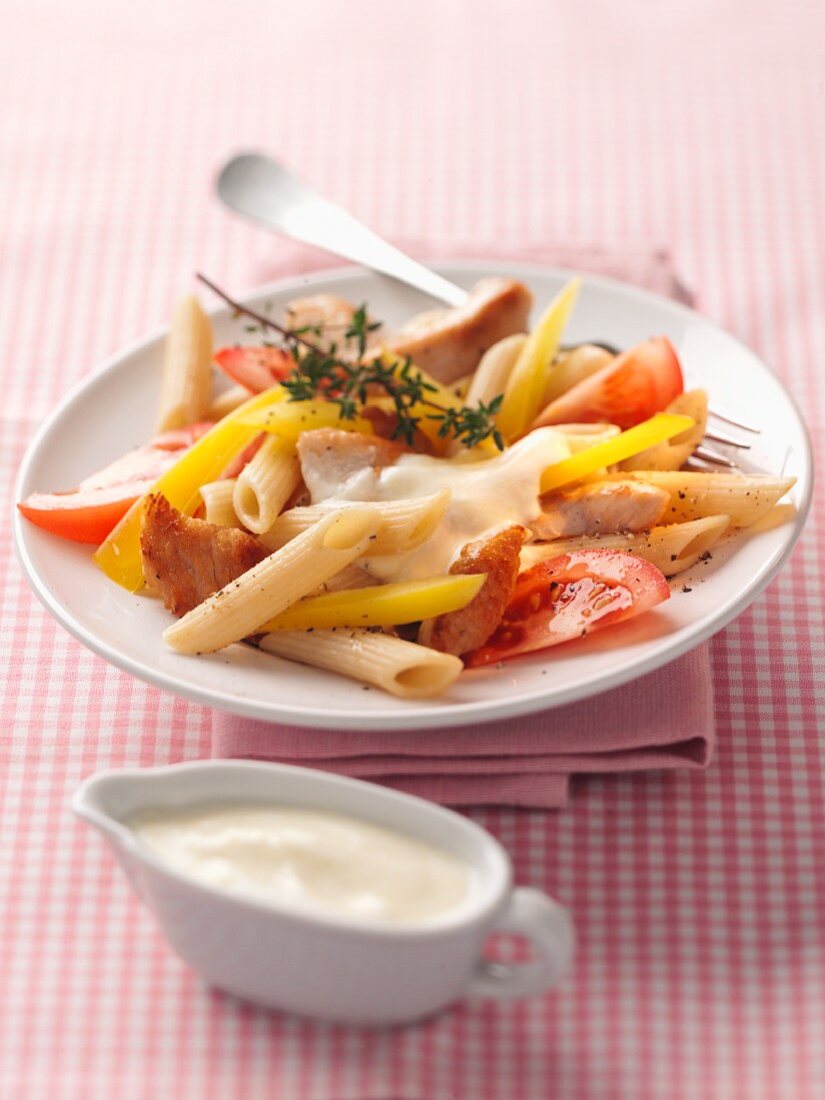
(350, 385)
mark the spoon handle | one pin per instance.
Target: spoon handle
(261, 189)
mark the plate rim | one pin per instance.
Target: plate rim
(432, 714)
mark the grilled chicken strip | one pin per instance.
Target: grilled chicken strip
(185, 560)
(449, 343)
(330, 457)
(602, 507)
(332, 316)
(461, 631)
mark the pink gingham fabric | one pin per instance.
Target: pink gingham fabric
(699, 897)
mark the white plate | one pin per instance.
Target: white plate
(114, 409)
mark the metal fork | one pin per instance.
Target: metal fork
(262, 189)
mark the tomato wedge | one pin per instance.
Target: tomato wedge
(257, 368)
(570, 596)
(90, 512)
(626, 391)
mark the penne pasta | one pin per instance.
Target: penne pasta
(401, 524)
(274, 583)
(746, 498)
(672, 549)
(217, 500)
(226, 402)
(186, 391)
(582, 436)
(266, 483)
(571, 367)
(490, 378)
(672, 454)
(352, 576)
(401, 668)
(775, 517)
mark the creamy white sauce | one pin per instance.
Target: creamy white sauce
(308, 859)
(486, 497)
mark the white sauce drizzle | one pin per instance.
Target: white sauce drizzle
(487, 496)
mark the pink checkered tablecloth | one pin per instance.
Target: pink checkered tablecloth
(699, 898)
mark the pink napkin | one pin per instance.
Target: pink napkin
(662, 720)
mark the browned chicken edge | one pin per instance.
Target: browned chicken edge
(459, 632)
(186, 560)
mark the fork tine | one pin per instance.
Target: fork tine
(707, 455)
(727, 439)
(735, 423)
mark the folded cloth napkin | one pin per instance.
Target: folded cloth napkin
(662, 720)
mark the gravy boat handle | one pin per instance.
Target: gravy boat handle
(548, 926)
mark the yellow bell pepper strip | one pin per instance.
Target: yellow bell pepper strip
(524, 392)
(289, 418)
(658, 428)
(119, 555)
(380, 605)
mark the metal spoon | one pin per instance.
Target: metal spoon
(261, 189)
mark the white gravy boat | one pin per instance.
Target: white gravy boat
(318, 965)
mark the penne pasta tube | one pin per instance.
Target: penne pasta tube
(401, 668)
(490, 378)
(186, 391)
(582, 436)
(353, 576)
(217, 500)
(525, 385)
(746, 498)
(275, 583)
(381, 604)
(775, 517)
(572, 367)
(672, 454)
(119, 554)
(401, 524)
(672, 548)
(266, 483)
(226, 402)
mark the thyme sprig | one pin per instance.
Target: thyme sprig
(350, 384)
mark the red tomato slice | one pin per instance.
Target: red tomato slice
(570, 596)
(257, 368)
(85, 515)
(628, 390)
(90, 512)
